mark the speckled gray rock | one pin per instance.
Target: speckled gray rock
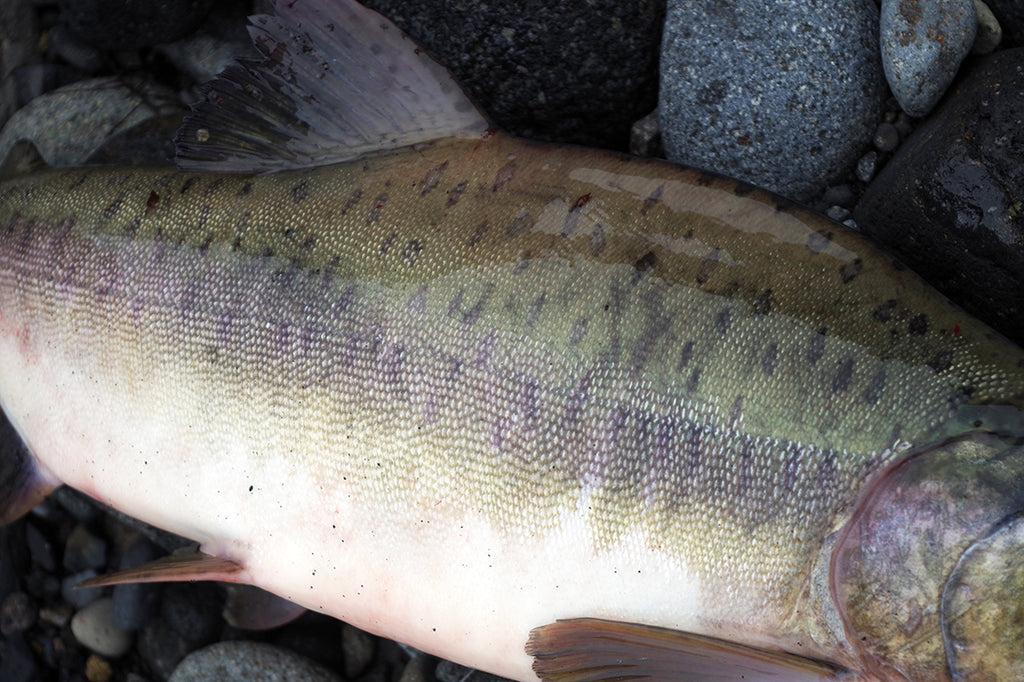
(69, 124)
(567, 71)
(923, 43)
(989, 34)
(94, 627)
(785, 99)
(251, 661)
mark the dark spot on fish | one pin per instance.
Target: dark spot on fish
(769, 358)
(826, 470)
(188, 184)
(652, 200)
(844, 377)
(694, 381)
(518, 225)
(204, 216)
(309, 244)
(884, 312)
(816, 346)
(385, 245)
(736, 413)
(152, 203)
(524, 262)
(236, 244)
(707, 266)
(597, 240)
(455, 194)
(473, 315)
(486, 350)
(942, 361)
(205, 246)
(819, 240)
(504, 175)
(724, 321)
(742, 189)
(578, 331)
(849, 271)
(213, 186)
(82, 177)
(581, 202)
(456, 303)
(378, 206)
(411, 252)
(118, 180)
(300, 192)
(417, 303)
(268, 252)
(643, 266)
(432, 178)
(763, 303)
(478, 234)
(744, 477)
(245, 190)
(896, 433)
(352, 201)
(918, 325)
(111, 210)
(535, 310)
(873, 392)
(684, 356)
(578, 399)
(132, 227)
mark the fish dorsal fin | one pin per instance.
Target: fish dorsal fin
(178, 567)
(590, 649)
(337, 81)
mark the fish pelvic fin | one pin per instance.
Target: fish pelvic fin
(178, 567)
(22, 484)
(590, 649)
(338, 81)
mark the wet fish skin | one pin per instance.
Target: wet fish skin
(497, 335)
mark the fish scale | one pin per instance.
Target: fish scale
(552, 382)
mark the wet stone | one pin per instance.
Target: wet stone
(84, 550)
(193, 610)
(40, 548)
(358, 648)
(253, 661)
(136, 603)
(79, 598)
(17, 613)
(161, 648)
(94, 627)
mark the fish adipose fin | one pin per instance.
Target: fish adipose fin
(338, 81)
(589, 649)
(180, 567)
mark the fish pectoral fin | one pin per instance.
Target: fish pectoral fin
(590, 649)
(178, 567)
(22, 158)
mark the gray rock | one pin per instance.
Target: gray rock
(136, 603)
(80, 597)
(358, 648)
(948, 203)
(887, 138)
(69, 124)
(193, 610)
(786, 99)
(923, 43)
(448, 671)
(251, 661)
(128, 24)
(84, 550)
(161, 648)
(94, 628)
(990, 33)
(566, 71)
(17, 613)
(40, 547)
(1010, 15)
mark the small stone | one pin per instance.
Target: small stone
(923, 43)
(990, 33)
(161, 648)
(56, 614)
(358, 648)
(645, 136)
(193, 610)
(887, 138)
(94, 628)
(17, 664)
(839, 195)
(867, 166)
(78, 597)
(98, 669)
(418, 669)
(251, 661)
(75, 503)
(838, 213)
(17, 613)
(84, 550)
(40, 548)
(447, 671)
(136, 603)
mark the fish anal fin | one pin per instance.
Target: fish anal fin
(590, 649)
(179, 567)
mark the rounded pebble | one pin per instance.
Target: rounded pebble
(785, 99)
(84, 550)
(358, 648)
(867, 166)
(251, 661)
(78, 597)
(94, 628)
(193, 610)
(923, 43)
(17, 613)
(990, 33)
(887, 138)
(98, 669)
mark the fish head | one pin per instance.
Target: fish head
(929, 572)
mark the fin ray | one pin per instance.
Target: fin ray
(179, 567)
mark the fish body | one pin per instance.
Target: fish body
(457, 391)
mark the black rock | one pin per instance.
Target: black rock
(949, 202)
(129, 24)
